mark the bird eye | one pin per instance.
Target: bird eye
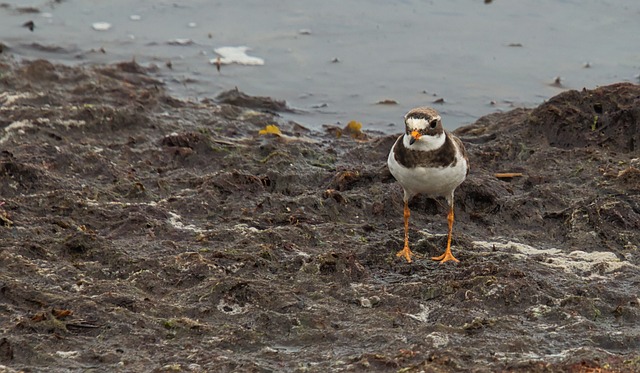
(433, 123)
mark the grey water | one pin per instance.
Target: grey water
(336, 60)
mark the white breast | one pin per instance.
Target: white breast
(434, 182)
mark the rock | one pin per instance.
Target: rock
(237, 98)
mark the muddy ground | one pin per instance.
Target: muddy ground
(144, 233)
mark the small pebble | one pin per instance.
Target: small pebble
(557, 82)
(135, 17)
(369, 302)
(365, 302)
(30, 25)
(269, 350)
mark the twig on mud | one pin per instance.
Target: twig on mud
(246, 179)
(225, 142)
(83, 325)
(507, 175)
(274, 154)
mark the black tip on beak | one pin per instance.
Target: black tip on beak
(412, 140)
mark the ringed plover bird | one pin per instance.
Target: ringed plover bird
(429, 160)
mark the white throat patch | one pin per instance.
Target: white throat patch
(426, 142)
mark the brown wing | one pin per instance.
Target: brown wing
(445, 156)
(460, 146)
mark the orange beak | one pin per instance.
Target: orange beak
(415, 135)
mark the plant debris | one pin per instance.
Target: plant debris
(140, 232)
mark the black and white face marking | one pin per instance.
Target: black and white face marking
(424, 124)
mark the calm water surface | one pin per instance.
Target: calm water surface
(480, 58)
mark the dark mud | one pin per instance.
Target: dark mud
(144, 233)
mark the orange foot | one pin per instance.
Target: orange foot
(447, 256)
(406, 253)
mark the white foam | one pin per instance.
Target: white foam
(229, 55)
(180, 41)
(423, 315)
(174, 220)
(7, 98)
(17, 126)
(574, 262)
(68, 354)
(101, 26)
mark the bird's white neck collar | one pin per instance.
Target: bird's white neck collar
(425, 143)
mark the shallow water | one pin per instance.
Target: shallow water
(480, 58)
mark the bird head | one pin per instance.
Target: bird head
(424, 124)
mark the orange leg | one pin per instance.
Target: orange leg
(406, 252)
(447, 252)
